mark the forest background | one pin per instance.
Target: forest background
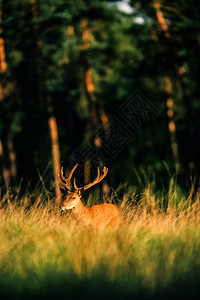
(66, 70)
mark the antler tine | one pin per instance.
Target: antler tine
(64, 183)
(98, 178)
(75, 186)
(94, 182)
(105, 171)
(60, 181)
(61, 186)
(62, 176)
(71, 173)
(67, 180)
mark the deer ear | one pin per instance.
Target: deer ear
(81, 192)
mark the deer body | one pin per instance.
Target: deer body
(102, 215)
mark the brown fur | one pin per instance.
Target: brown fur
(102, 215)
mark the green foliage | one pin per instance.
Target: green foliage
(124, 56)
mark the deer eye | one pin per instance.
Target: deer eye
(73, 197)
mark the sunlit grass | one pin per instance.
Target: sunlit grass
(154, 254)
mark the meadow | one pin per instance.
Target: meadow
(153, 254)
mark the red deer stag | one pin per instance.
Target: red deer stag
(102, 215)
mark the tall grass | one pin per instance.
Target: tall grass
(154, 254)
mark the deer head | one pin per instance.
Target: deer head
(75, 193)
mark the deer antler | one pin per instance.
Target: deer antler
(97, 180)
(64, 183)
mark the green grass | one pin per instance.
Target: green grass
(154, 254)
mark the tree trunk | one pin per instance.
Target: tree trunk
(96, 109)
(7, 153)
(8, 159)
(171, 125)
(67, 74)
(53, 130)
(5, 170)
(12, 160)
(180, 72)
(2, 96)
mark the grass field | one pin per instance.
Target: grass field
(154, 254)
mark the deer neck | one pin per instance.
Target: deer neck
(80, 209)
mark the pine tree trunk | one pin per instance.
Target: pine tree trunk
(180, 71)
(53, 130)
(8, 159)
(96, 108)
(171, 124)
(12, 160)
(7, 153)
(2, 71)
(5, 170)
(67, 74)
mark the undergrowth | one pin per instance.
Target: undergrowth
(153, 254)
